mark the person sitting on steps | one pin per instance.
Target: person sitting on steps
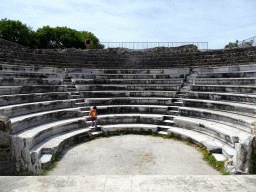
(87, 42)
(93, 116)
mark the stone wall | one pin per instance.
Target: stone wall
(7, 165)
(159, 57)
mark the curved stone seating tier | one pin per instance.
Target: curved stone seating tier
(212, 144)
(224, 88)
(245, 109)
(4, 74)
(140, 87)
(235, 74)
(155, 119)
(30, 81)
(225, 81)
(125, 76)
(27, 108)
(26, 121)
(127, 81)
(244, 123)
(234, 68)
(129, 100)
(30, 68)
(107, 94)
(148, 109)
(222, 96)
(9, 90)
(225, 133)
(32, 97)
(34, 135)
(128, 71)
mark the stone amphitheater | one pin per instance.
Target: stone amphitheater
(206, 96)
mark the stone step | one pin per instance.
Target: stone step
(28, 108)
(46, 159)
(75, 93)
(110, 94)
(242, 123)
(219, 157)
(80, 104)
(127, 81)
(140, 87)
(30, 81)
(178, 103)
(162, 133)
(227, 134)
(10, 90)
(75, 96)
(168, 122)
(173, 112)
(71, 89)
(32, 97)
(26, 121)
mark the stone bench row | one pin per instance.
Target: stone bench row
(31, 68)
(235, 74)
(18, 74)
(20, 68)
(127, 71)
(224, 88)
(243, 123)
(227, 69)
(32, 97)
(248, 109)
(9, 90)
(124, 76)
(119, 87)
(221, 96)
(127, 81)
(224, 81)
(110, 94)
(30, 81)
(29, 108)
(129, 101)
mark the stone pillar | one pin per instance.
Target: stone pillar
(7, 165)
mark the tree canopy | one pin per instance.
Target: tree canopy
(46, 37)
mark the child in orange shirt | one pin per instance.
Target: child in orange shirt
(93, 116)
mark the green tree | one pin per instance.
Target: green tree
(15, 31)
(231, 45)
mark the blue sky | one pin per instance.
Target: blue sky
(217, 22)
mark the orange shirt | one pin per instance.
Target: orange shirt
(93, 113)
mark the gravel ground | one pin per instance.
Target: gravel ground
(132, 155)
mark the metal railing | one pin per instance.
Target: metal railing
(145, 45)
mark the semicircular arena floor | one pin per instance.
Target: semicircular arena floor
(132, 155)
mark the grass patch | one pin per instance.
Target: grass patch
(253, 161)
